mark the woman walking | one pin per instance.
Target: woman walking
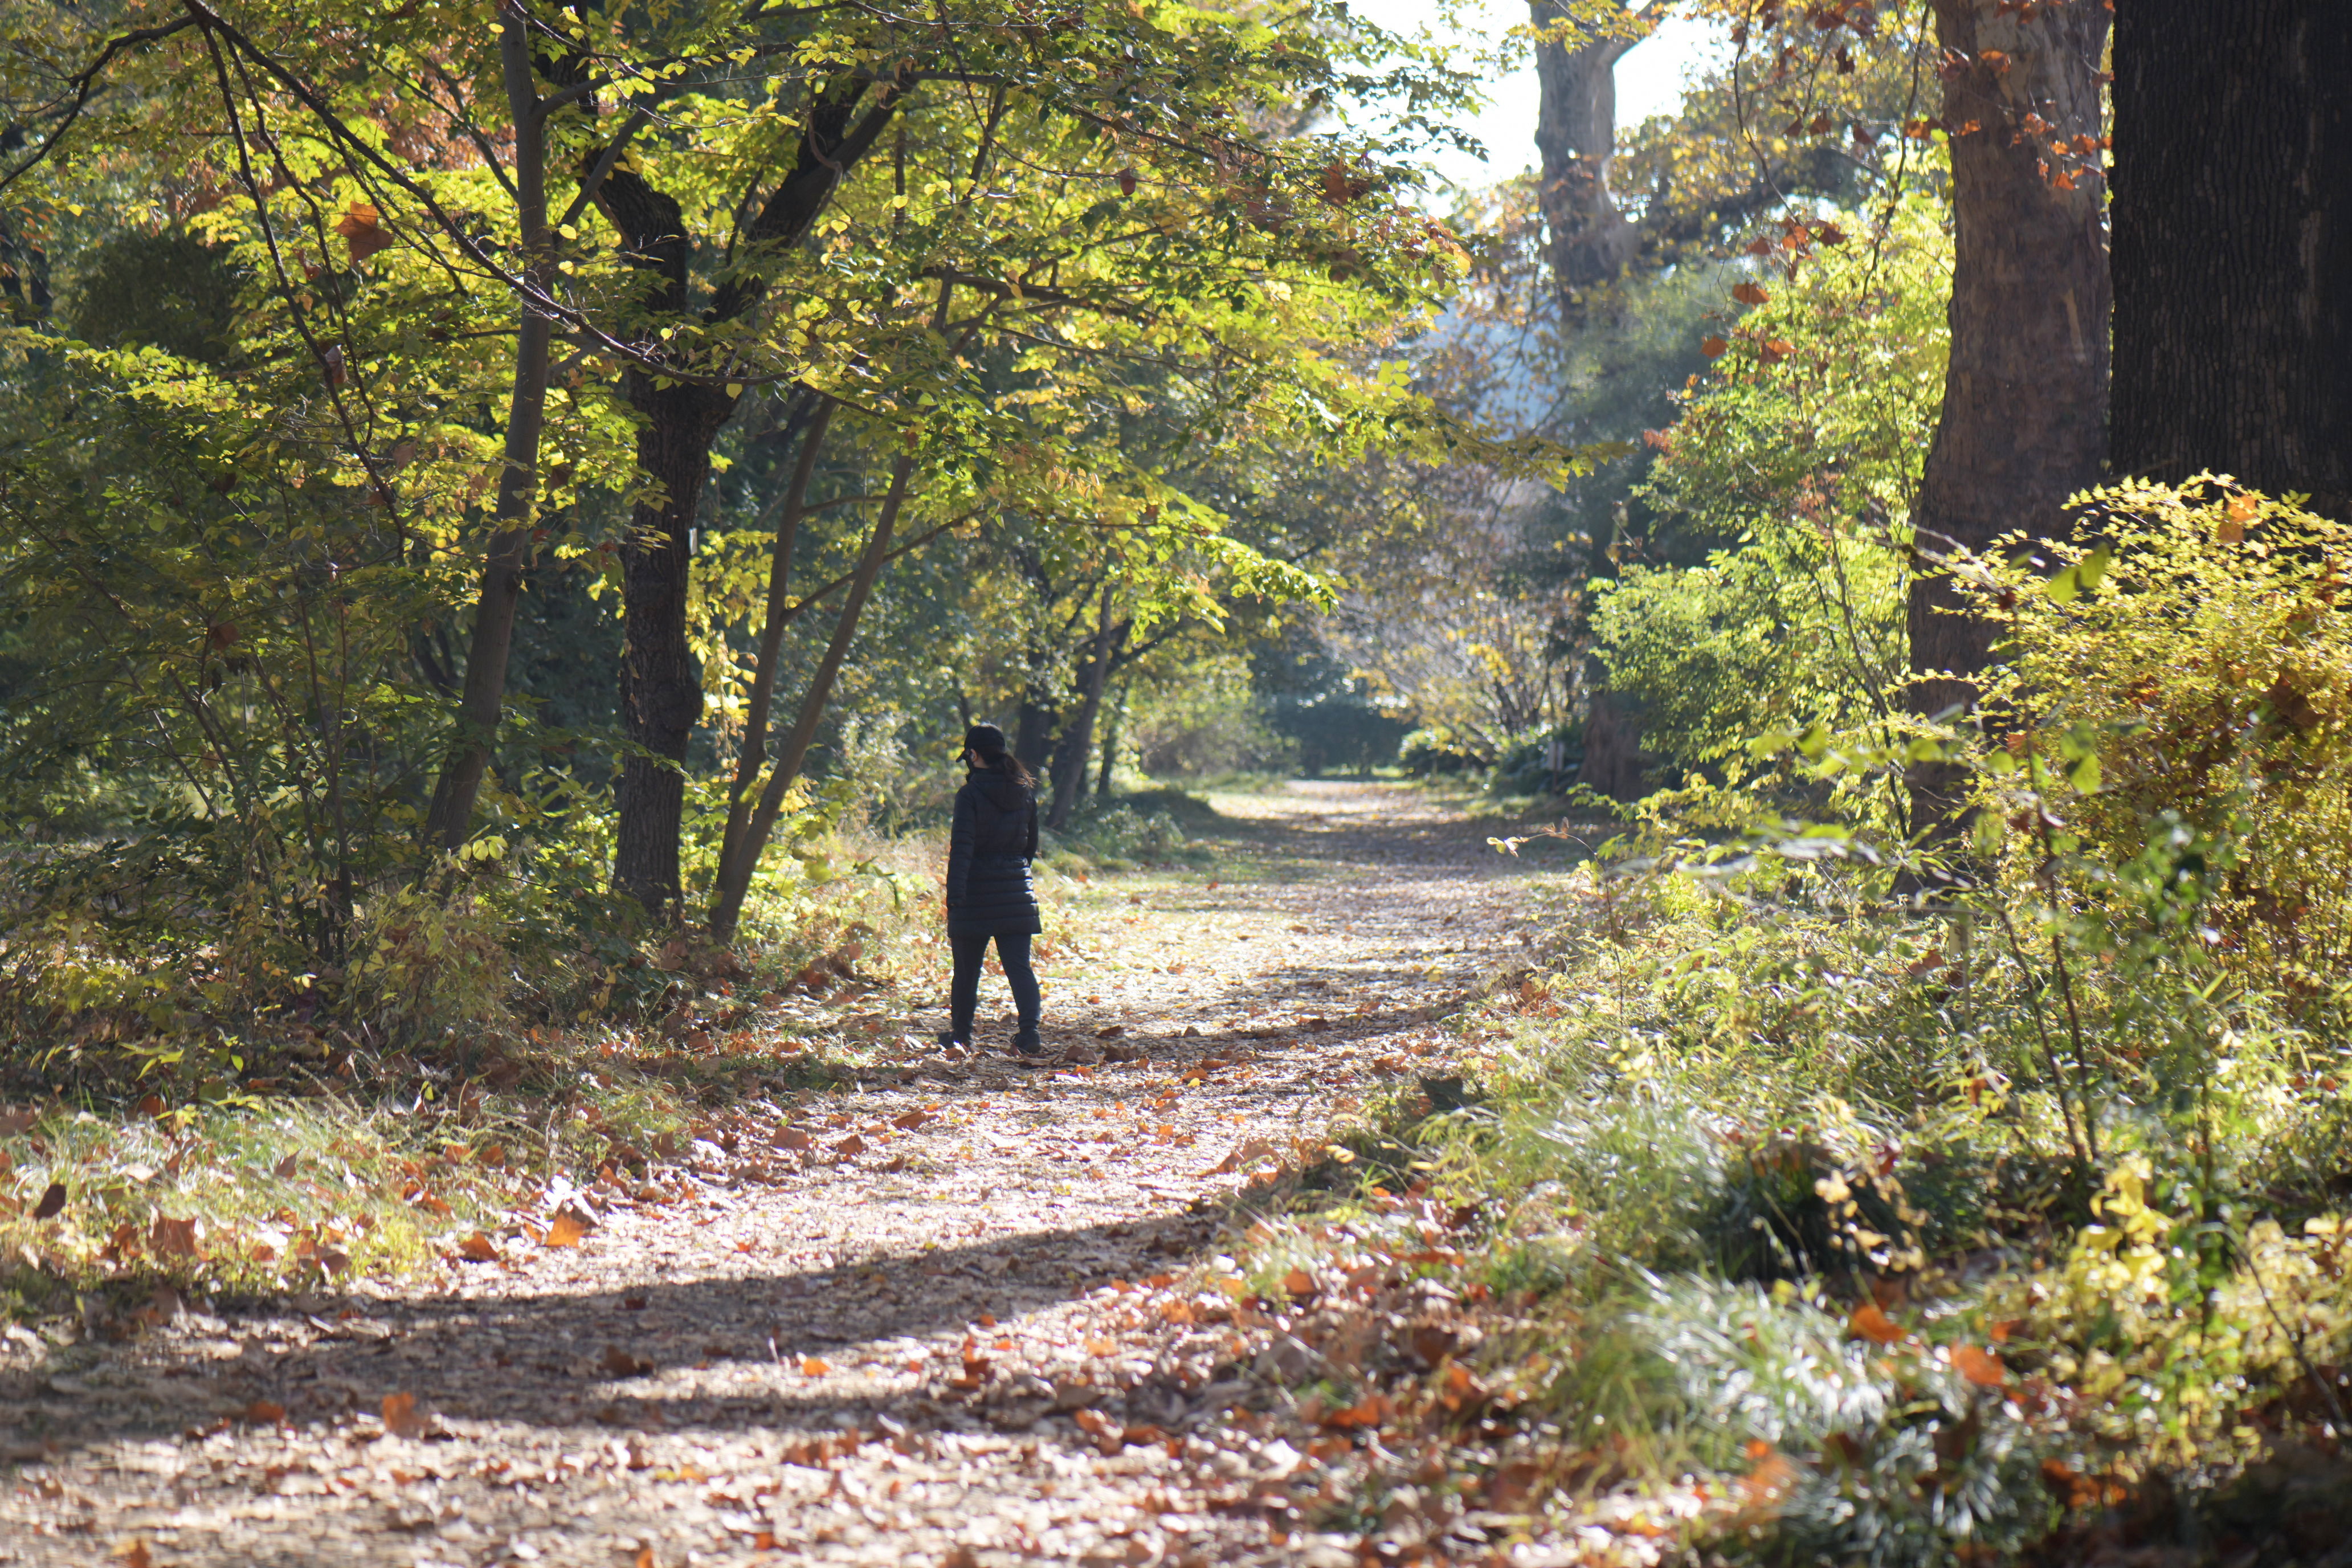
(989, 891)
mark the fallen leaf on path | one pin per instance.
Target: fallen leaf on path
(813, 1367)
(400, 1415)
(52, 1202)
(265, 1412)
(564, 1230)
(134, 1554)
(478, 1247)
(907, 1121)
(793, 1138)
(1248, 1153)
(850, 1146)
(621, 1363)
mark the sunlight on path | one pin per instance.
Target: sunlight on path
(961, 1333)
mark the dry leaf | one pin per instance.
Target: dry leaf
(265, 1412)
(907, 1121)
(1246, 1154)
(478, 1247)
(361, 228)
(564, 1230)
(400, 1416)
(811, 1366)
(1298, 1282)
(849, 1146)
(134, 1554)
(621, 1363)
(1102, 1347)
(1750, 294)
(173, 1237)
(793, 1138)
(1869, 1323)
(1980, 1367)
(15, 1121)
(52, 1202)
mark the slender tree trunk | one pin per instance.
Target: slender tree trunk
(779, 615)
(1070, 781)
(486, 655)
(2024, 414)
(2233, 220)
(1110, 747)
(735, 874)
(1587, 240)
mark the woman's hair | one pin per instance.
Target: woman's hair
(985, 743)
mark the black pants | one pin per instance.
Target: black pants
(964, 994)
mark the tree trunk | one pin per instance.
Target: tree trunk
(2023, 421)
(486, 655)
(1613, 748)
(1033, 732)
(661, 690)
(735, 873)
(1079, 745)
(762, 698)
(1109, 748)
(1588, 240)
(2233, 221)
(661, 693)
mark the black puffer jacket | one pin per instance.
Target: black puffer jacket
(996, 838)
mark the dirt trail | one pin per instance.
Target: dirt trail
(955, 1344)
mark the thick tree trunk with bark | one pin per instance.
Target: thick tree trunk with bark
(1588, 240)
(1588, 244)
(661, 691)
(2233, 263)
(2023, 421)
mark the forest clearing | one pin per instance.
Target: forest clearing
(1124, 782)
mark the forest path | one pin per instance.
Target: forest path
(963, 1340)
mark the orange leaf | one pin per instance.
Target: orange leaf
(907, 1121)
(1102, 1347)
(400, 1416)
(1979, 1366)
(564, 1230)
(812, 1367)
(1750, 294)
(1712, 347)
(262, 1412)
(853, 1144)
(1298, 1282)
(478, 1247)
(1869, 1323)
(173, 1237)
(133, 1554)
(362, 229)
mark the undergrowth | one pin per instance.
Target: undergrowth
(1840, 1223)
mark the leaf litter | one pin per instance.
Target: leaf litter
(1008, 1338)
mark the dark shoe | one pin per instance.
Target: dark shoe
(947, 1040)
(1027, 1046)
